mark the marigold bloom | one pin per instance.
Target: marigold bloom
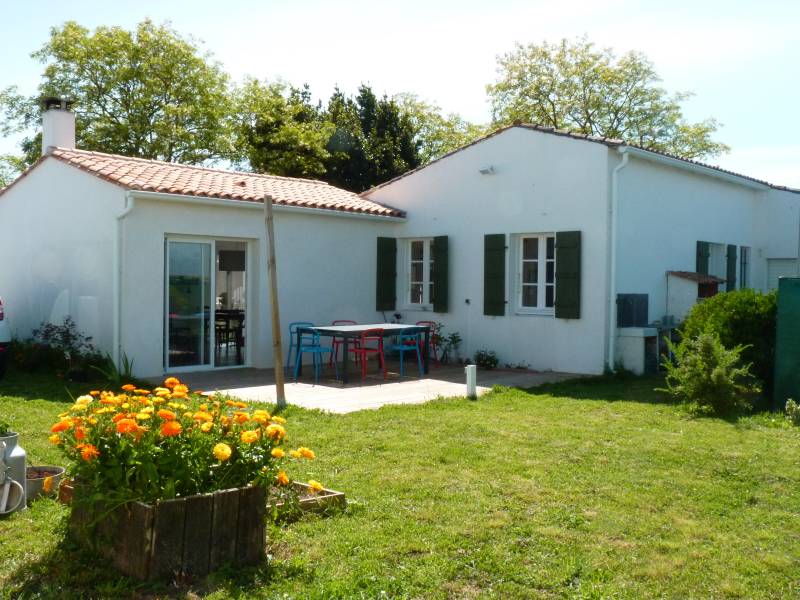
(261, 419)
(47, 484)
(127, 425)
(277, 419)
(180, 389)
(141, 392)
(248, 437)
(171, 382)
(112, 401)
(171, 428)
(278, 453)
(89, 452)
(164, 394)
(276, 432)
(143, 416)
(61, 426)
(119, 416)
(128, 387)
(294, 453)
(167, 415)
(55, 439)
(80, 433)
(94, 393)
(203, 416)
(241, 417)
(206, 427)
(282, 478)
(315, 486)
(222, 452)
(85, 399)
(306, 453)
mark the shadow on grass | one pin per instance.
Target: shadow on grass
(44, 384)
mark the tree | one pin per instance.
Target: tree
(437, 133)
(10, 168)
(278, 130)
(147, 93)
(574, 86)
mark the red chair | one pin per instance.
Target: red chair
(363, 350)
(433, 343)
(336, 342)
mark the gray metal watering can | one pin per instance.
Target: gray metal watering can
(12, 493)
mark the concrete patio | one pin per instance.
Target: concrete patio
(330, 395)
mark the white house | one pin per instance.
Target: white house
(521, 241)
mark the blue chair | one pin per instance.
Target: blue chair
(293, 327)
(310, 344)
(408, 342)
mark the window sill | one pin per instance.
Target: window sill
(418, 307)
(536, 312)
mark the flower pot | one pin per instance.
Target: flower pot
(14, 458)
(186, 536)
(43, 480)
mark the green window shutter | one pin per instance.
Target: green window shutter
(703, 256)
(441, 269)
(494, 274)
(731, 271)
(386, 280)
(568, 275)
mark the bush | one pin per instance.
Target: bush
(709, 376)
(486, 359)
(743, 318)
(62, 348)
(793, 411)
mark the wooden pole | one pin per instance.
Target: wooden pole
(277, 347)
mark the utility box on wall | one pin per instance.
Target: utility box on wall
(787, 343)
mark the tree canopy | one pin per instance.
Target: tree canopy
(578, 87)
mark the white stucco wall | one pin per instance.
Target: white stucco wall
(541, 184)
(56, 250)
(326, 271)
(663, 211)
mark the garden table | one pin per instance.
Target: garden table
(347, 333)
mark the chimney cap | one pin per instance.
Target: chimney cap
(56, 102)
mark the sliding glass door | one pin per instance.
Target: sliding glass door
(189, 318)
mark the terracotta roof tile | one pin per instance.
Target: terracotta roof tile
(696, 277)
(173, 178)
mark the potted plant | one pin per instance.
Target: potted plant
(42, 480)
(165, 481)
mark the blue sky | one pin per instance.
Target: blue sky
(742, 59)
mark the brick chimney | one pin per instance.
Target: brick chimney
(58, 124)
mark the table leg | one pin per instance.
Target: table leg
(296, 354)
(345, 353)
(426, 350)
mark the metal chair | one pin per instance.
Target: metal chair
(408, 340)
(433, 344)
(310, 344)
(336, 342)
(293, 326)
(363, 349)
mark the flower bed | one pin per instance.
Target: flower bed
(167, 464)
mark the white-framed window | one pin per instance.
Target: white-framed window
(744, 267)
(420, 272)
(536, 273)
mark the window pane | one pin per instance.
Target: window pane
(529, 294)
(551, 247)
(416, 293)
(530, 248)
(549, 295)
(530, 271)
(417, 249)
(551, 272)
(416, 271)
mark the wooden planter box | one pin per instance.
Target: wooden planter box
(187, 536)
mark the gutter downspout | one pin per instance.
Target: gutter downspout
(130, 202)
(612, 234)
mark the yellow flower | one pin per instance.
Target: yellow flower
(55, 439)
(47, 484)
(86, 399)
(294, 453)
(143, 416)
(142, 392)
(206, 427)
(248, 437)
(171, 382)
(306, 452)
(277, 419)
(203, 416)
(222, 452)
(315, 486)
(276, 432)
(278, 453)
(188, 414)
(241, 417)
(282, 478)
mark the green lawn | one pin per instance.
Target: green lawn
(597, 488)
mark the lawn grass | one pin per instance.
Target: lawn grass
(590, 489)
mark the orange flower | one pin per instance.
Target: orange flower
(306, 452)
(171, 428)
(314, 486)
(171, 382)
(278, 453)
(203, 416)
(248, 437)
(167, 415)
(80, 433)
(282, 478)
(180, 389)
(118, 417)
(47, 484)
(128, 387)
(141, 392)
(127, 425)
(89, 452)
(94, 393)
(109, 401)
(61, 426)
(241, 417)
(276, 432)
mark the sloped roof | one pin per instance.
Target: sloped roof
(610, 142)
(171, 178)
(696, 277)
